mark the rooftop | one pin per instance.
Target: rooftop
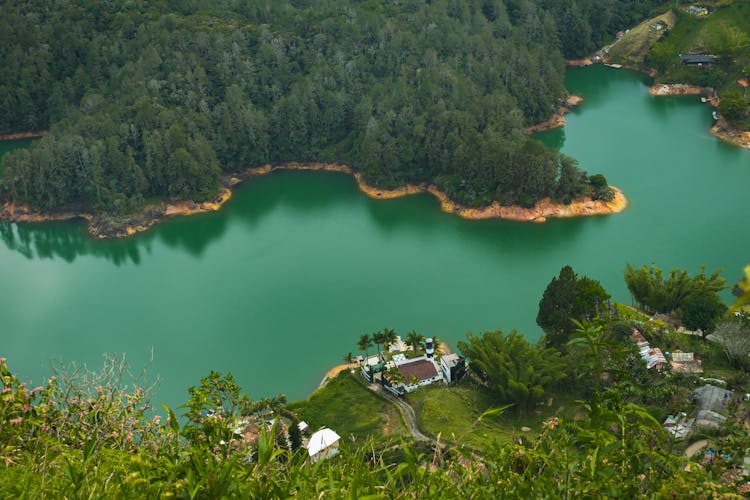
(451, 359)
(711, 397)
(321, 440)
(698, 59)
(420, 368)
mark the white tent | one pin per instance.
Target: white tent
(323, 443)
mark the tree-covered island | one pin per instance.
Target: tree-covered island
(150, 101)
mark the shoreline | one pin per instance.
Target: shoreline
(721, 129)
(104, 227)
(558, 118)
(23, 135)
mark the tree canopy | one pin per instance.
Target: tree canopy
(694, 299)
(157, 99)
(568, 299)
(517, 371)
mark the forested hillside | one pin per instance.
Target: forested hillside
(157, 99)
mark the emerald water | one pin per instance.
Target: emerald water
(277, 287)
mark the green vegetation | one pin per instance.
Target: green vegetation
(725, 32)
(635, 44)
(567, 299)
(694, 299)
(160, 99)
(518, 373)
(454, 412)
(93, 434)
(344, 404)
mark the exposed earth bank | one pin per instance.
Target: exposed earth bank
(108, 227)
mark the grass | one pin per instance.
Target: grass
(345, 405)
(635, 44)
(698, 35)
(452, 412)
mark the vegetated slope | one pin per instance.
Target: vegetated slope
(157, 99)
(725, 32)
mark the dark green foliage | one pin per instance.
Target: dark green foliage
(695, 298)
(295, 437)
(616, 449)
(701, 310)
(567, 299)
(518, 372)
(150, 100)
(733, 105)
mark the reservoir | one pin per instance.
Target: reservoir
(278, 286)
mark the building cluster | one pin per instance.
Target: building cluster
(402, 374)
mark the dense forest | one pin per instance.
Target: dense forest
(157, 99)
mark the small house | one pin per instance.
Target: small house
(323, 444)
(711, 397)
(685, 362)
(698, 59)
(453, 367)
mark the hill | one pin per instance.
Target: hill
(149, 100)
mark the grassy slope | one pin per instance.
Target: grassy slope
(694, 35)
(453, 411)
(347, 407)
(633, 46)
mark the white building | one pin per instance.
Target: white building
(322, 444)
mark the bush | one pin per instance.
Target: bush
(733, 105)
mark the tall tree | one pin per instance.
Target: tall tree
(568, 298)
(518, 372)
(364, 343)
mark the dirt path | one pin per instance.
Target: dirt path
(407, 412)
(696, 447)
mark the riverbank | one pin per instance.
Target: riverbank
(109, 227)
(558, 119)
(23, 135)
(721, 129)
(543, 210)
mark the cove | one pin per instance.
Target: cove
(278, 285)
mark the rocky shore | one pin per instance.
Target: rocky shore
(558, 119)
(109, 227)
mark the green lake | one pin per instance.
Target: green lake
(277, 287)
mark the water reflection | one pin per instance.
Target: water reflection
(66, 241)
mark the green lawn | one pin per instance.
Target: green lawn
(453, 411)
(633, 46)
(345, 405)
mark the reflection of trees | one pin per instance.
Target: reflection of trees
(66, 241)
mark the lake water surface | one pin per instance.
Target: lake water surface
(278, 286)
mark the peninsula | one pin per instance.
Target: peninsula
(103, 226)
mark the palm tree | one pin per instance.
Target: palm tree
(348, 359)
(378, 338)
(389, 336)
(364, 343)
(414, 339)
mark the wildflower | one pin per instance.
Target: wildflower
(16, 421)
(2, 361)
(6, 390)
(156, 419)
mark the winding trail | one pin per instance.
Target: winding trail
(407, 412)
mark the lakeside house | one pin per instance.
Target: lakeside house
(453, 367)
(401, 374)
(698, 59)
(323, 444)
